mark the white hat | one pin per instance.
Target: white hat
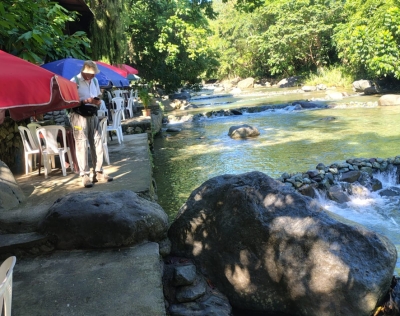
(90, 67)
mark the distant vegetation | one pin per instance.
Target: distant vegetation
(173, 43)
(333, 76)
(289, 37)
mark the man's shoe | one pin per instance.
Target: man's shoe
(102, 176)
(86, 181)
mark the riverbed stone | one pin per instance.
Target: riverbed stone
(389, 99)
(391, 191)
(308, 104)
(246, 83)
(268, 248)
(308, 190)
(376, 185)
(191, 292)
(243, 131)
(335, 193)
(350, 176)
(308, 88)
(334, 95)
(288, 82)
(362, 85)
(184, 275)
(215, 305)
(104, 219)
(367, 169)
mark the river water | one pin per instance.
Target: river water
(290, 141)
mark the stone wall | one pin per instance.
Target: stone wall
(11, 147)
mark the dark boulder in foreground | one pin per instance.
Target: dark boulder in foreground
(11, 194)
(269, 248)
(104, 219)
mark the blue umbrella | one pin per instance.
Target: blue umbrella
(70, 67)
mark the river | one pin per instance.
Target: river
(289, 141)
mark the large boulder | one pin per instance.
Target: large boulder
(288, 82)
(366, 86)
(246, 83)
(11, 194)
(243, 131)
(389, 99)
(104, 219)
(269, 248)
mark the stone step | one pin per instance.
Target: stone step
(25, 244)
(125, 281)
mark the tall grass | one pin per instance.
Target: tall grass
(335, 76)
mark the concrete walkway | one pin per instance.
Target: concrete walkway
(124, 281)
(130, 167)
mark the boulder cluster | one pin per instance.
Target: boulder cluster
(340, 179)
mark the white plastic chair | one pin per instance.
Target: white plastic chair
(133, 94)
(103, 125)
(103, 108)
(131, 105)
(117, 93)
(51, 147)
(31, 150)
(6, 275)
(119, 104)
(116, 125)
(33, 127)
(101, 113)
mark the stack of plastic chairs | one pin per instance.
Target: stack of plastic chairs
(52, 147)
(119, 104)
(31, 149)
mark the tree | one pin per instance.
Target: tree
(238, 56)
(168, 41)
(33, 30)
(247, 5)
(368, 42)
(299, 34)
(109, 40)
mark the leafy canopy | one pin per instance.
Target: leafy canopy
(369, 40)
(34, 30)
(168, 40)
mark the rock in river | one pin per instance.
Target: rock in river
(269, 248)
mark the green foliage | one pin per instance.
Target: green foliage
(299, 34)
(336, 76)
(247, 5)
(238, 56)
(279, 37)
(145, 95)
(33, 30)
(168, 41)
(109, 41)
(368, 42)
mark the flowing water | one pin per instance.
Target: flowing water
(290, 141)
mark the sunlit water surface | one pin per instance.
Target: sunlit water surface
(290, 141)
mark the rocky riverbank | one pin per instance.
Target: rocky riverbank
(340, 179)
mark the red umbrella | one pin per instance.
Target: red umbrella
(128, 69)
(28, 90)
(122, 72)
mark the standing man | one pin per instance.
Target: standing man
(86, 127)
